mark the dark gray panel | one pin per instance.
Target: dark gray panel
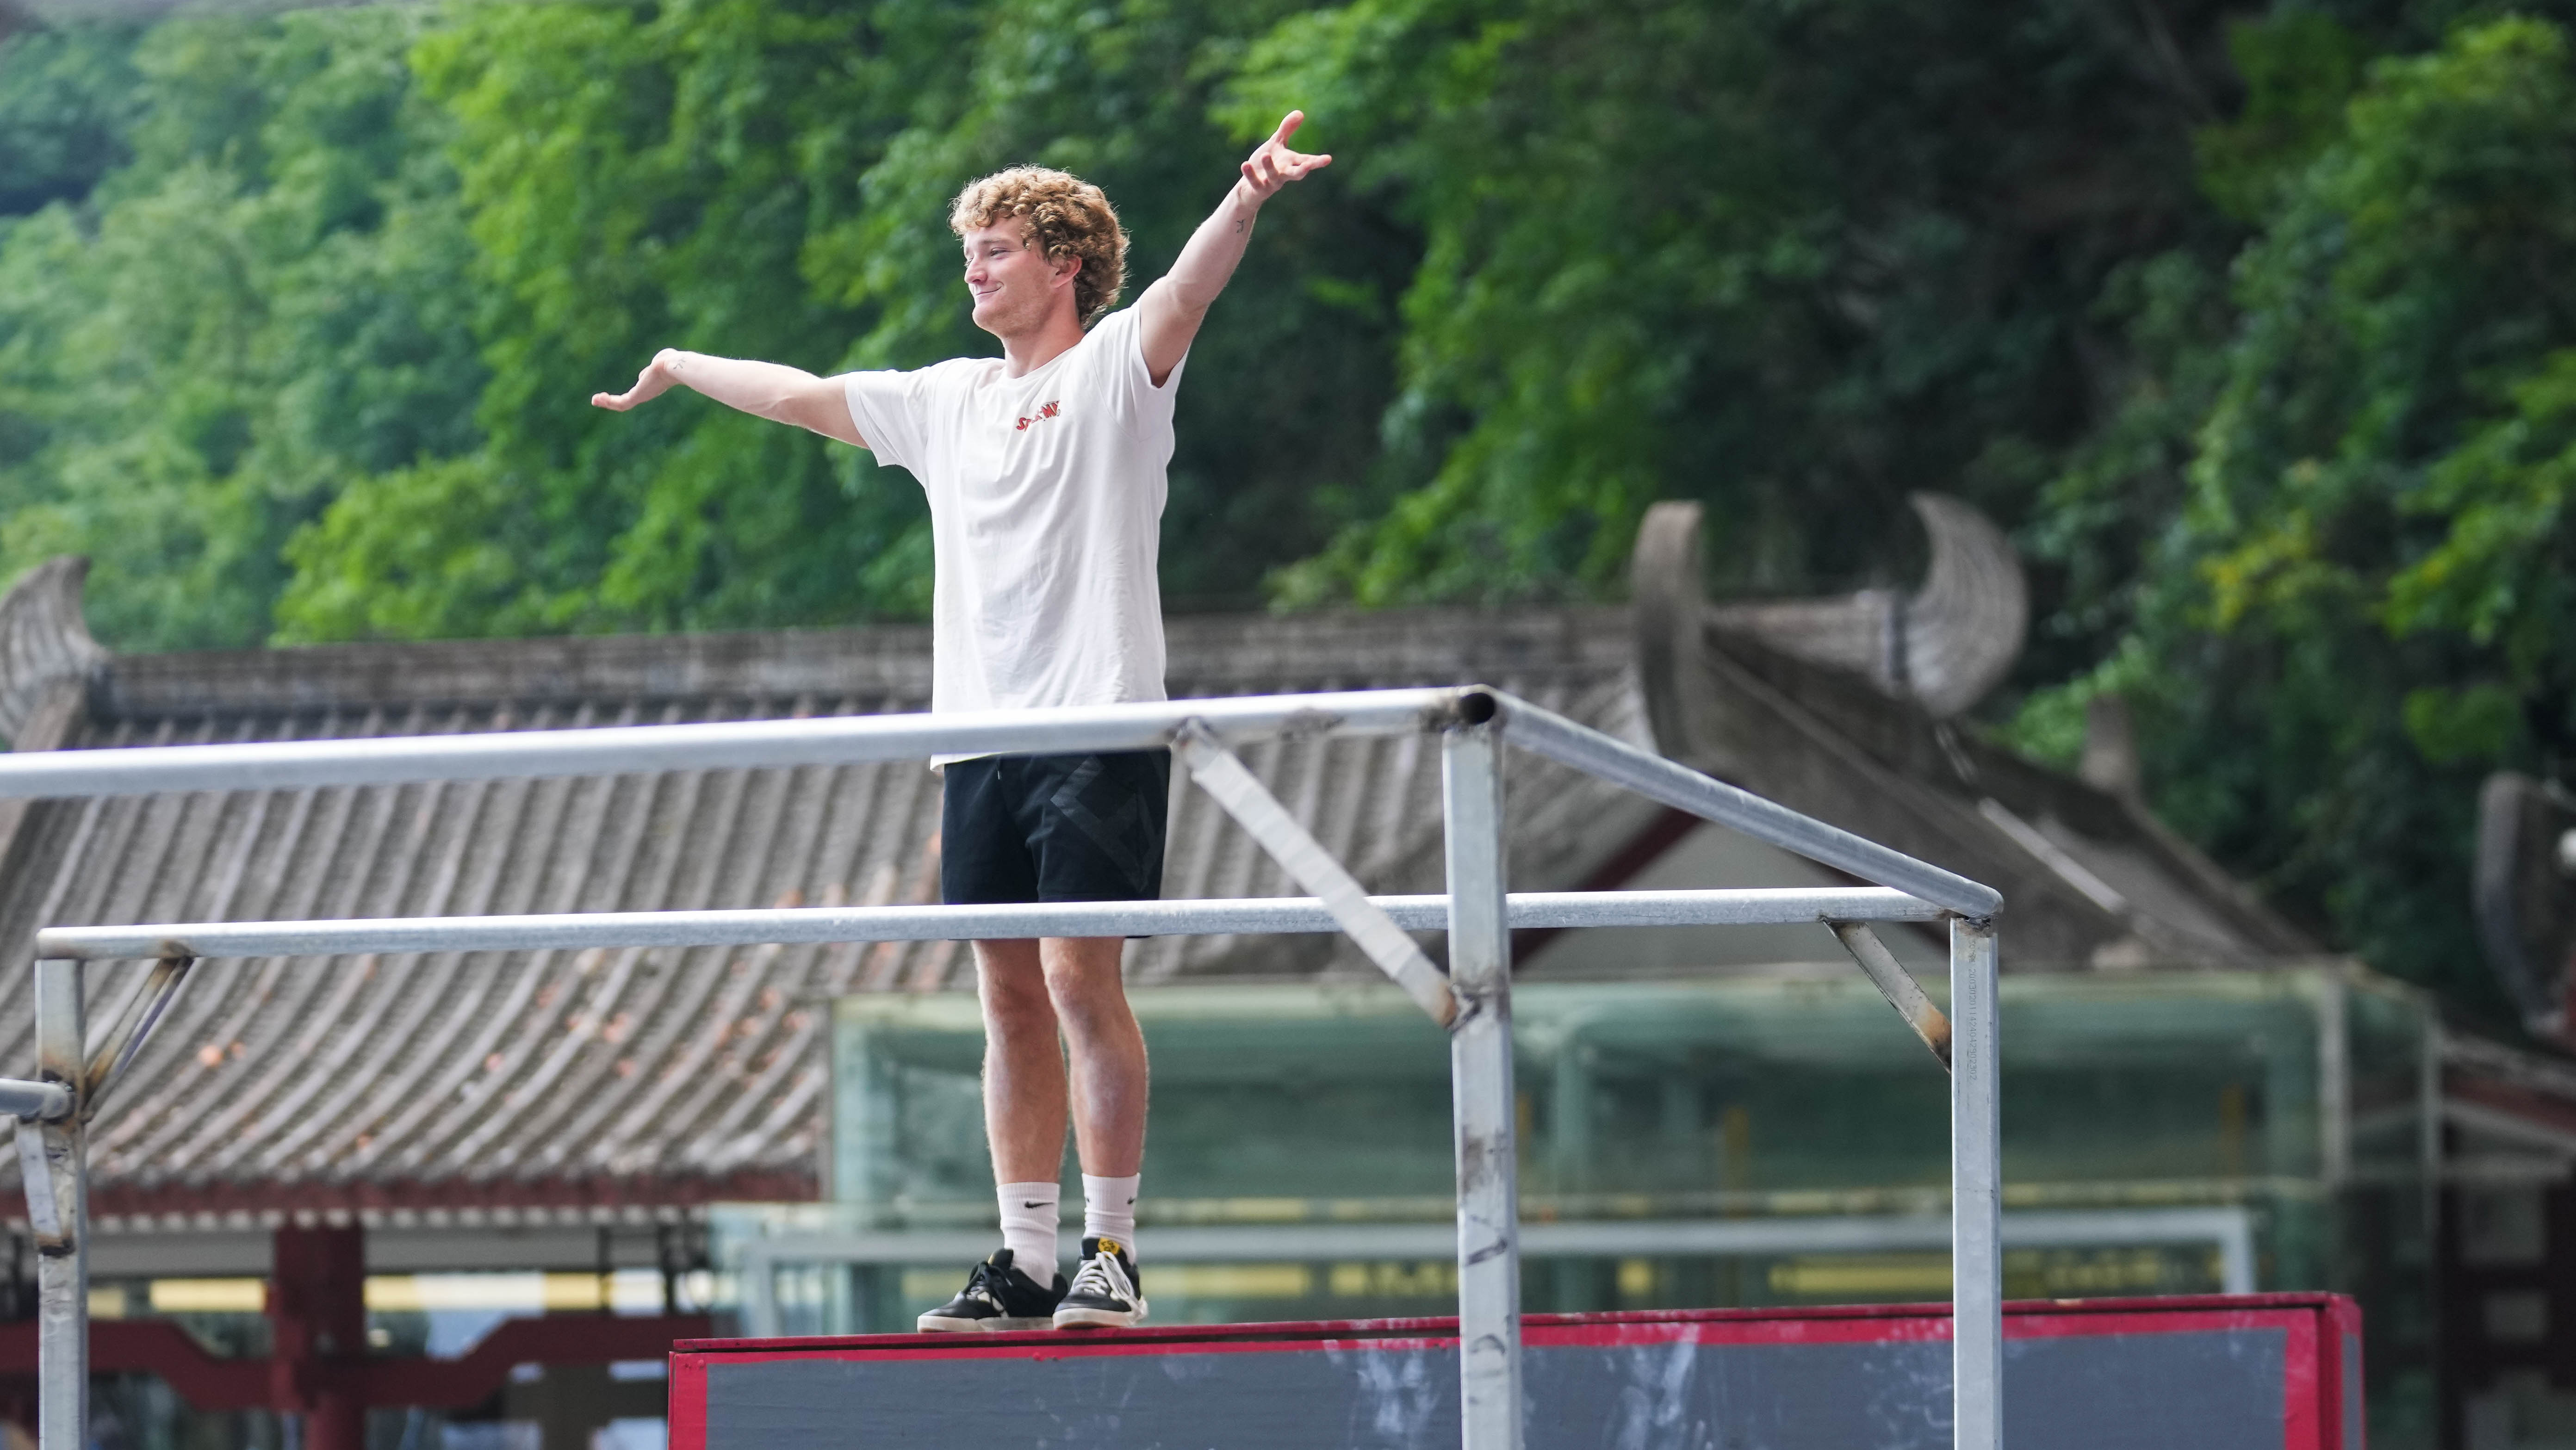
(1738, 1397)
(2212, 1391)
(2209, 1389)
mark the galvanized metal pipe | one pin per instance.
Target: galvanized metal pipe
(799, 925)
(1897, 986)
(1545, 733)
(303, 764)
(1976, 1192)
(1481, 1097)
(39, 1101)
(739, 744)
(62, 1245)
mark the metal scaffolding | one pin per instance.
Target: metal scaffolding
(1472, 999)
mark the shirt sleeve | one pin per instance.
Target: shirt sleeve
(1121, 337)
(889, 409)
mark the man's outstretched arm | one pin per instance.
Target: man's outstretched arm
(768, 390)
(1174, 307)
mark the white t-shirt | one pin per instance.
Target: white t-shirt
(1046, 505)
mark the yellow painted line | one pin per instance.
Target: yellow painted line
(1876, 1274)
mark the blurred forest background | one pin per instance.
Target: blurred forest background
(2257, 326)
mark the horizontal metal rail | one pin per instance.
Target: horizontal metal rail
(795, 925)
(43, 1101)
(1542, 732)
(852, 739)
(740, 744)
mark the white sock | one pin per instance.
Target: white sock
(1109, 1210)
(1028, 1226)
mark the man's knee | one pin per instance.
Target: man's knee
(1087, 992)
(1017, 999)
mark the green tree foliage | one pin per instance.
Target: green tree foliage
(315, 362)
(1794, 260)
(634, 180)
(200, 351)
(772, 180)
(68, 103)
(2355, 457)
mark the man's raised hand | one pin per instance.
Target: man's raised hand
(656, 378)
(1272, 165)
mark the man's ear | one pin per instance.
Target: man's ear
(1066, 270)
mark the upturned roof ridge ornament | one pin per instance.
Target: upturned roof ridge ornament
(1943, 645)
(45, 642)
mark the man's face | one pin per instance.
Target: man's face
(1014, 286)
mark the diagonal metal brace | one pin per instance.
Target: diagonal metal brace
(1253, 807)
(1897, 986)
(112, 1051)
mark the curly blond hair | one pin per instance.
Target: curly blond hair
(1065, 216)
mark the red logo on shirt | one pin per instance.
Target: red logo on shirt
(1045, 411)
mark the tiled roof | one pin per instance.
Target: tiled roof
(610, 1080)
(2090, 877)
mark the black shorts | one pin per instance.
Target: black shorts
(1054, 828)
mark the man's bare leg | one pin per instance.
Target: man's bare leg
(1107, 1052)
(1024, 1117)
(1041, 1001)
(1108, 1101)
(1024, 1085)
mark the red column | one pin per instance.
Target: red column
(317, 1316)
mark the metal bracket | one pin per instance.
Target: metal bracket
(1896, 985)
(44, 1209)
(1253, 807)
(30, 1105)
(46, 1116)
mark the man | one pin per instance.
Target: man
(1045, 473)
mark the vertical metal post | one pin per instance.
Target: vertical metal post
(1480, 1069)
(2334, 1079)
(62, 1247)
(1976, 1192)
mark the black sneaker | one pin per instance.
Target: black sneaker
(997, 1296)
(1106, 1293)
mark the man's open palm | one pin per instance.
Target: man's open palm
(655, 380)
(1273, 165)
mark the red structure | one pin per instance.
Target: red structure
(320, 1367)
